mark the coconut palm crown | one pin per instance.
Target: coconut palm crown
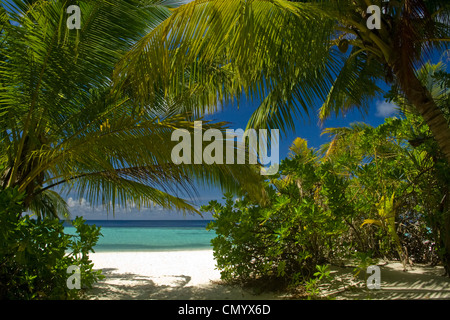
(63, 126)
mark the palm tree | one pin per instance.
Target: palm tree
(63, 124)
(290, 56)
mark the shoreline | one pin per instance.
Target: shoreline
(103, 251)
(192, 275)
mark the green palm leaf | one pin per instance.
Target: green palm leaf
(242, 44)
(64, 126)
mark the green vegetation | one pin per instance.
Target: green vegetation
(367, 194)
(66, 127)
(291, 56)
(91, 112)
(35, 253)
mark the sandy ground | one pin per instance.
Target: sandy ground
(192, 275)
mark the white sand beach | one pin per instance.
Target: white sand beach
(192, 275)
(163, 275)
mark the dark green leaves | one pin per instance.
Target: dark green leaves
(35, 253)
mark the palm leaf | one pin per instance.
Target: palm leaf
(64, 126)
(354, 86)
(215, 41)
(372, 221)
(49, 204)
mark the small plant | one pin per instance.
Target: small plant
(323, 272)
(363, 260)
(312, 286)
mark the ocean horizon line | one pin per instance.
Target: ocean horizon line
(144, 223)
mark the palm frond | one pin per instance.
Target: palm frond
(64, 126)
(49, 204)
(253, 43)
(354, 86)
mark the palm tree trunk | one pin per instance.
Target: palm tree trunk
(421, 98)
(445, 236)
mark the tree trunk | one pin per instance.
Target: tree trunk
(420, 97)
(446, 232)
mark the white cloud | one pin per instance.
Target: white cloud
(385, 109)
(83, 208)
(81, 203)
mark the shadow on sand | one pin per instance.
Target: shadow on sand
(129, 286)
(417, 283)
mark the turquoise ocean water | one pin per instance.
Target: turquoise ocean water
(151, 235)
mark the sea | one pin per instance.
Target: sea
(150, 235)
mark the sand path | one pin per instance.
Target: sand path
(192, 275)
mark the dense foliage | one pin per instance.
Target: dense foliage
(35, 253)
(66, 128)
(288, 56)
(367, 194)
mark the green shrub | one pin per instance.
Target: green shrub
(35, 254)
(366, 195)
(283, 242)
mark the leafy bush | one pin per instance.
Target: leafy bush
(283, 242)
(35, 254)
(366, 195)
